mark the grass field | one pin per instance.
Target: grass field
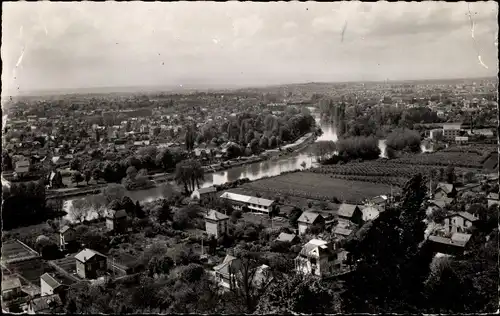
(317, 186)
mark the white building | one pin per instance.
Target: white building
(459, 222)
(253, 203)
(320, 258)
(216, 223)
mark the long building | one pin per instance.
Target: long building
(254, 203)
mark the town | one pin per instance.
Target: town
(323, 197)
(310, 220)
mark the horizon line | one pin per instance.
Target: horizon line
(208, 86)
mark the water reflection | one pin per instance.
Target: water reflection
(255, 171)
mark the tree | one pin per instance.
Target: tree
(190, 138)
(244, 285)
(392, 258)
(165, 159)
(87, 176)
(404, 139)
(323, 149)
(113, 192)
(6, 161)
(303, 164)
(79, 210)
(75, 164)
(189, 173)
(294, 216)
(131, 173)
(299, 294)
(450, 174)
(76, 177)
(159, 264)
(96, 174)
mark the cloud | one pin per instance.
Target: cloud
(87, 44)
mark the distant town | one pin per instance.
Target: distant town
(311, 198)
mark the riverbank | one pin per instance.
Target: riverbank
(160, 178)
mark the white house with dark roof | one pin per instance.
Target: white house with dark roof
(216, 223)
(51, 284)
(320, 258)
(253, 203)
(89, 263)
(308, 219)
(459, 222)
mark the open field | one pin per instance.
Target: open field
(444, 159)
(381, 171)
(310, 185)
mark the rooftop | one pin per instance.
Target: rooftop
(216, 216)
(87, 254)
(308, 217)
(346, 210)
(11, 283)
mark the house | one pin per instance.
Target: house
(51, 284)
(67, 235)
(55, 180)
(253, 203)
(444, 190)
(22, 167)
(11, 288)
(459, 222)
(461, 140)
(455, 245)
(434, 205)
(225, 273)
(216, 223)
(370, 213)
(380, 202)
(341, 232)
(203, 193)
(308, 219)
(320, 258)
(492, 199)
(451, 130)
(90, 264)
(50, 304)
(116, 220)
(350, 212)
(291, 238)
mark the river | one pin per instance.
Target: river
(253, 171)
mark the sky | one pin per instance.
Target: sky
(50, 46)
